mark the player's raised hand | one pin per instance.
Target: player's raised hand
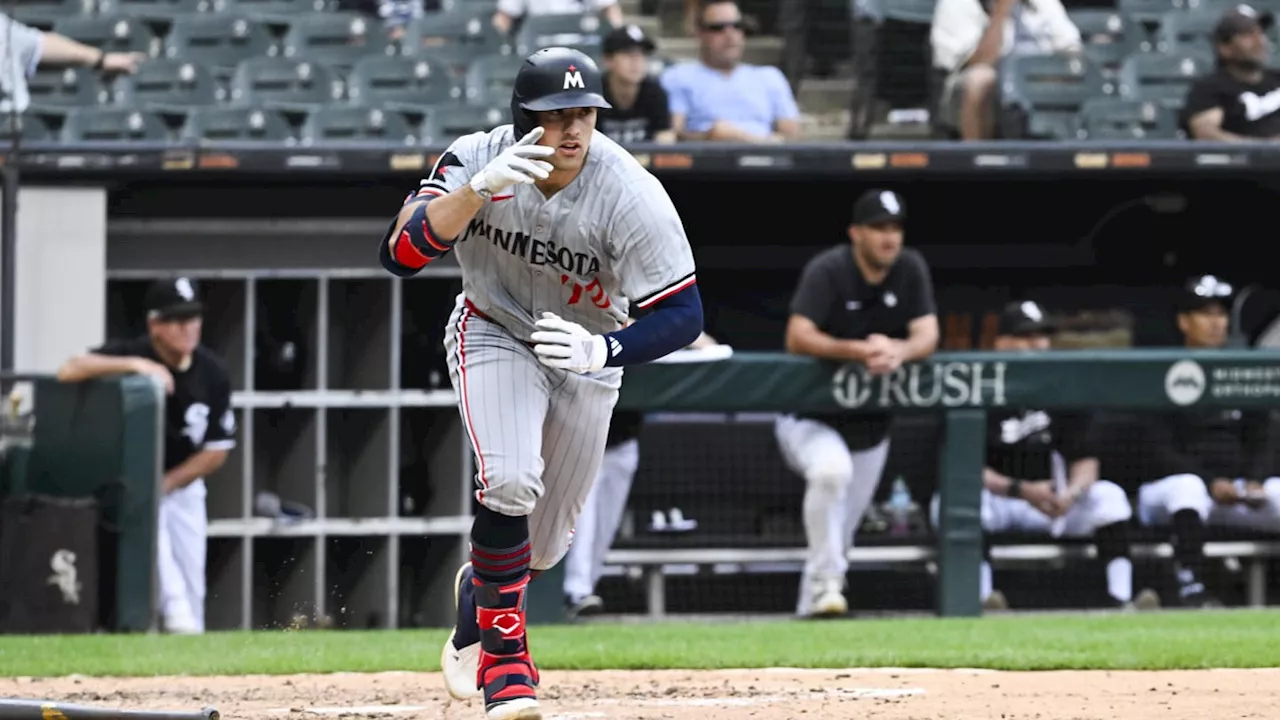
(514, 166)
(567, 345)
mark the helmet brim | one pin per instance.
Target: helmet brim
(566, 100)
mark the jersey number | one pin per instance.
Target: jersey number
(598, 296)
(197, 423)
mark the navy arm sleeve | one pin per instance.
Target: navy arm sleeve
(672, 324)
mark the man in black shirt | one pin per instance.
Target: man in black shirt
(1206, 459)
(1240, 100)
(640, 112)
(1041, 475)
(867, 301)
(200, 429)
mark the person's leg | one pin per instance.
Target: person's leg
(600, 517)
(977, 85)
(180, 562)
(503, 401)
(818, 453)
(868, 466)
(1104, 512)
(1182, 502)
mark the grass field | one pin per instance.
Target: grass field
(1165, 640)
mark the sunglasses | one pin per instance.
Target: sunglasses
(722, 26)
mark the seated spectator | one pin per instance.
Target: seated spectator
(640, 111)
(718, 97)
(509, 11)
(969, 37)
(30, 48)
(1041, 476)
(1239, 100)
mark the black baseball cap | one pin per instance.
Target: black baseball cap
(173, 299)
(625, 38)
(1203, 291)
(878, 206)
(1024, 317)
(1241, 19)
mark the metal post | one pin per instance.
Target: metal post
(8, 258)
(959, 513)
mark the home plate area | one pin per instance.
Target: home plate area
(782, 694)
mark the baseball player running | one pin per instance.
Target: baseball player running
(559, 233)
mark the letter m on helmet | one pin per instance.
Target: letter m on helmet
(573, 79)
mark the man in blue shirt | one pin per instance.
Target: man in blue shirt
(718, 97)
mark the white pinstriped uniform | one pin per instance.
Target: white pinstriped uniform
(609, 239)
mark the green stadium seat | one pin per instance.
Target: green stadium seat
(110, 33)
(1162, 77)
(218, 41)
(32, 128)
(280, 81)
(490, 79)
(1151, 12)
(1050, 83)
(1118, 118)
(583, 31)
(915, 11)
(465, 31)
(113, 125)
(167, 83)
(445, 123)
(421, 80)
(335, 38)
(1050, 125)
(1188, 30)
(332, 124)
(271, 10)
(43, 14)
(1109, 37)
(237, 124)
(66, 87)
(154, 9)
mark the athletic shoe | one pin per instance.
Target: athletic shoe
(1148, 599)
(995, 602)
(586, 607)
(828, 598)
(460, 658)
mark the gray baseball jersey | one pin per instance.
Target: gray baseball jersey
(610, 238)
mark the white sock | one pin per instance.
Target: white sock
(984, 581)
(1120, 579)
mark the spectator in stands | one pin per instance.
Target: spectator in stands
(199, 432)
(1240, 100)
(970, 37)
(29, 48)
(509, 11)
(1041, 476)
(868, 301)
(640, 111)
(719, 97)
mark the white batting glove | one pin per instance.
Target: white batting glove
(513, 166)
(567, 345)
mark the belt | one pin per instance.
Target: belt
(483, 316)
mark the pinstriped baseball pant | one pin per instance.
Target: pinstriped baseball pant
(538, 433)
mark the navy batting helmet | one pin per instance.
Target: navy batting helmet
(554, 78)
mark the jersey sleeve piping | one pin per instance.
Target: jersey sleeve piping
(668, 291)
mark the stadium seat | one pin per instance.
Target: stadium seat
(43, 14)
(466, 31)
(66, 87)
(1118, 118)
(357, 124)
(1188, 30)
(1109, 37)
(167, 83)
(445, 123)
(157, 9)
(113, 125)
(1050, 125)
(1050, 83)
(280, 81)
(217, 41)
(1161, 77)
(271, 10)
(583, 31)
(334, 38)
(410, 81)
(490, 79)
(32, 128)
(1151, 12)
(237, 124)
(110, 33)
(916, 11)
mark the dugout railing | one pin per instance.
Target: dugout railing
(960, 387)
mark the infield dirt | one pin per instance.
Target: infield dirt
(881, 694)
